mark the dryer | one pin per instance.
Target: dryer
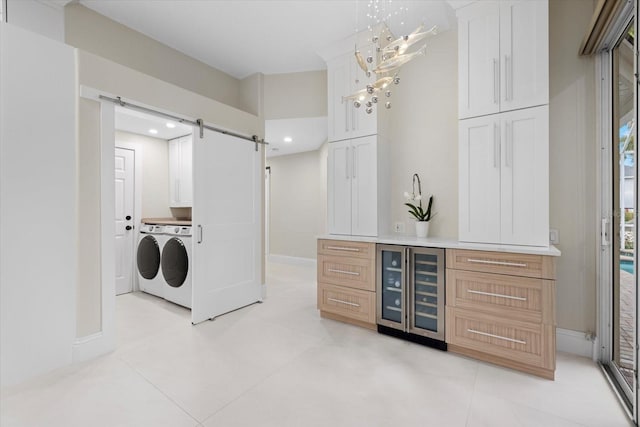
(148, 259)
(176, 264)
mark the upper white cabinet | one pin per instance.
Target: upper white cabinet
(181, 172)
(353, 188)
(345, 77)
(503, 60)
(504, 178)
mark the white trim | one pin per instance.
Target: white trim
(90, 347)
(138, 153)
(574, 342)
(291, 260)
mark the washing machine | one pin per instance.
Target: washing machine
(176, 264)
(148, 259)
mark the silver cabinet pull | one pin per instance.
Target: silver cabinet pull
(491, 294)
(508, 81)
(346, 116)
(351, 273)
(343, 248)
(352, 304)
(199, 233)
(496, 145)
(354, 160)
(486, 334)
(507, 264)
(346, 163)
(508, 151)
(495, 81)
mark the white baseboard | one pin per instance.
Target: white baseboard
(575, 342)
(91, 346)
(284, 259)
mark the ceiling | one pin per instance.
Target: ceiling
(140, 123)
(306, 134)
(243, 37)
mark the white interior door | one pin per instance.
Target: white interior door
(227, 258)
(124, 185)
(364, 194)
(339, 168)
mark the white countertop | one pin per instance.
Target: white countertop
(436, 242)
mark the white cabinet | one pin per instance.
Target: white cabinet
(181, 172)
(504, 178)
(503, 56)
(353, 187)
(345, 77)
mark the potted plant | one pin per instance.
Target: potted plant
(414, 203)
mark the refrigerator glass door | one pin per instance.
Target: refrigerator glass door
(391, 286)
(426, 298)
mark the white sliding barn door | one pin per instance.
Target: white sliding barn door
(227, 233)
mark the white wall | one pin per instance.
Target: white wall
(296, 203)
(43, 18)
(155, 172)
(38, 216)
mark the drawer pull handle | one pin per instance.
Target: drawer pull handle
(508, 264)
(491, 294)
(352, 273)
(497, 336)
(352, 304)
(342, 248)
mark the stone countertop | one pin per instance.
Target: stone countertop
(436, 242)
(166, 221)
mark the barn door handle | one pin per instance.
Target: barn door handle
(199, 234)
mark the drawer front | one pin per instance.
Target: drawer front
(519, 298)
(343, 271)
(351, 303)
(528, 343)
(502, 263)
(346, 248)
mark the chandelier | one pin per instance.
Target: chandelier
(392, 53)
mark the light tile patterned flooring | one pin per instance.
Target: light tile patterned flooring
(280, 364)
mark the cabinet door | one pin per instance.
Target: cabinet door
(363, 124)
(391, 295)
(174, 172)
(478, 59)
(426, 292)
(525, 177)
(479, 180)
(339, 187)
(524, 50)
(364, 179)
(186, 171)
(338, 72)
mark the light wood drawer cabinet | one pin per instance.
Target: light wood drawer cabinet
(524, 343)
(347, 302)
(502, 263)
(347, 282)
(510, 297)
(500, 308)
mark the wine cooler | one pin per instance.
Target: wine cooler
(410, 293)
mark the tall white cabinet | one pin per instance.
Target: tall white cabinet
(181, 172)
(503, 56)
(504, 122)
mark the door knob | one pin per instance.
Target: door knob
(128, 217)
(128, 227)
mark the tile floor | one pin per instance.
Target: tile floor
(280, 364)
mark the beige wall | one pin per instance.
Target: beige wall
(423, 135)
(573, 163)
(251, 94)
(295, 95)
(296, 204)
(92, 32)
(154, 153)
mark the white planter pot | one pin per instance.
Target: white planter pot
(422, 228)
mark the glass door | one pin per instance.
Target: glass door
(622, 359)
(391, 286)
(426, 298)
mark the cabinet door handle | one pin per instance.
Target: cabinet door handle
(353, 119)
(352, 304)
(199, 233)
(496, 146)
(508, 160)
(486, 334)
(354, 161)
(505, 263)
(342, 248)
(491, 294)
(496, 81)
(346, 116)
(508, 83)
(346, 163)
(351, 273)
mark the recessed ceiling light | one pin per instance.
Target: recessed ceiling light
(171, 125)
(275, 149)
(288, 139)
(153, 131)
